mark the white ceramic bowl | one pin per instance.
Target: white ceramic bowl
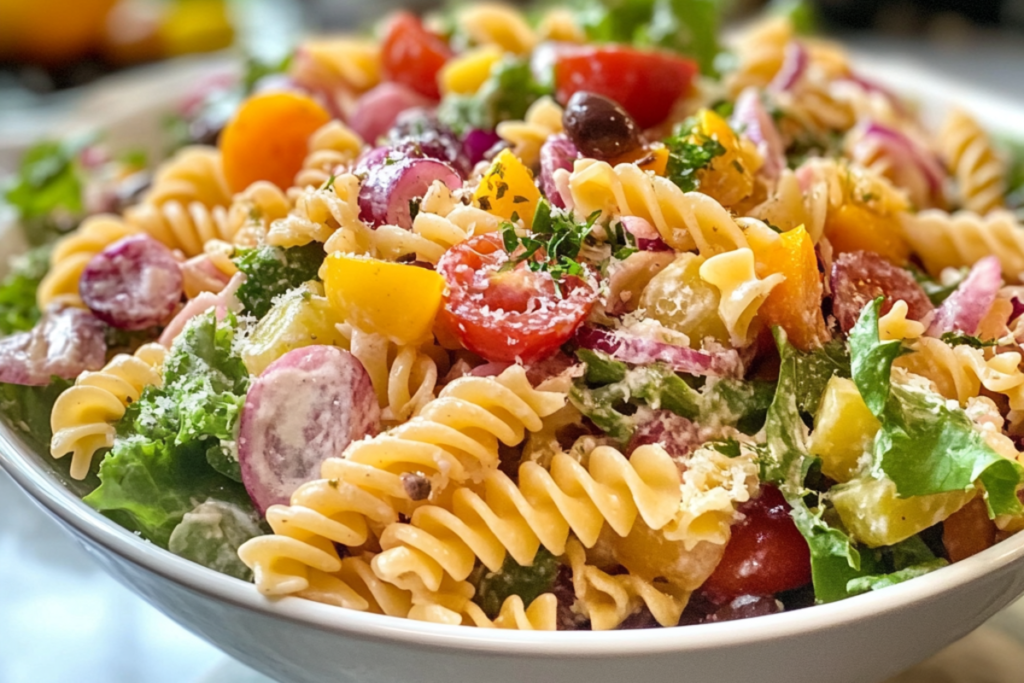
(860, 640)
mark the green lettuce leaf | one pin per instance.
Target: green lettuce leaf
(926, 444)
(902, 562)
(211, 534)
(529, 582)
(18, 308)
(814, 369)
(690, 27)
(50, 179)
(272, 271)
(176, 445)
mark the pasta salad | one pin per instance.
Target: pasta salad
(572, 319)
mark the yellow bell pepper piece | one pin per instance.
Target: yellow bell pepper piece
(395, 300)
(465, 74)
(302, 318)
(730, 177)
(508, 188)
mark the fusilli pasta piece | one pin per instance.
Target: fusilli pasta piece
(609, 599)
(455, 607)
(789, 206)
(742, 292)
(332, 147)
(352, 64)
(760, 52)
(73, 252)
(490, 23)
(541, 510)
(83, 417)
(958, 240)
(193, 174)
(559, 24)
(960, 371)
(543, 119)
(184, 227)
(896, 325)
(329, 215)
(979, 171)
(685, 220)
(455, 436)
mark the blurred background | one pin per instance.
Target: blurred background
(63, 618)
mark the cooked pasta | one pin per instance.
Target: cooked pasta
(945, 240)
(742, 292)
(543, 119)
(329, 215)
(454, 607)
(960, 371)
(760, 53)
(608, 600)
(455, 436)
(83, 417)
(979, 171)
(496, 24)
(684, 219)
(789, 206)
(332, 148)
(73, 252)
(352, 64)
(193, 174)
(540, 510)
(559, 24)
(184, 227)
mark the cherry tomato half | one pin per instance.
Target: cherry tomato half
(505, 315)
(646, 83)
(766, 554)
(412, 55)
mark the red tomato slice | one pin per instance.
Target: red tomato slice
(647, 84)
(511, 315)
(412, 55)
(766, 554)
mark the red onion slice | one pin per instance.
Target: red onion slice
(647, 236)
(389, 187)
(376, 111)
(964, 309)
(64, 343)
(753, 120)
(794, 64)
(907, 156)
(557, 152)
(639, 351)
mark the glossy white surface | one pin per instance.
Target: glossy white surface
(866, 638)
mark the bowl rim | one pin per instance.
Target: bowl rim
(19, 461)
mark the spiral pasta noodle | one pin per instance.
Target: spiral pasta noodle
(742, 292)
(454, 607)
(540, 510)
(609, 599)
(543, 119)
(352, 64)
(979, 171)
(788, 206)
(329, 215)
(186, 227)
(760, 53)
(959, 372)
(496, 24)
(944, 240)
(685, 220)
(333, 146)
(455, 436)
(193, 174)
(73, 252)
(83, 417)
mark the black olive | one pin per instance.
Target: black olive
(599, 127)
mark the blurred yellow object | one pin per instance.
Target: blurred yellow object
(507, 190)
(466, 73)
(195, 26)
(51, 31)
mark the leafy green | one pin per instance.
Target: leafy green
(27, 409)
(174, 443)
(936, 291)
(686, 26)
(528, 582)
(871, 358)
(506, 95)
(689, 151)
(18, 308)
(813, 371)
(901, 562)
(272, 271)
(835, 559)
(553, 245)
(925, 445)
(49, 179)
(258, 68)
(962, 339)
(1015, 174)
(609, 394)
(800, 12)
(211, 534)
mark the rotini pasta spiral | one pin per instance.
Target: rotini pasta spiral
(944, 240)
(959, 372)
(789, 206)
(541, 510)
(329, 215)
(760, 53)
(742, 293)
(810, 110)
(333, 146)
(455, 607)
(184, 227)
(543, 119)
(559, 24)
(73, 252)
(685, 220)
(496, 24)
(352, 64)
(193, 174)
(455, 437)
(83, 417)
(609, 599)
(979, 171)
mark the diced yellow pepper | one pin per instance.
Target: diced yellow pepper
(874, 515)
(508, 188)
(730, 177)
(465, 74)
(844, 429)
(303, 318)
(395, 300)
(654, 159)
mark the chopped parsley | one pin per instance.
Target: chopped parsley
(961, 339)
(272, 271)
(689, 152)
